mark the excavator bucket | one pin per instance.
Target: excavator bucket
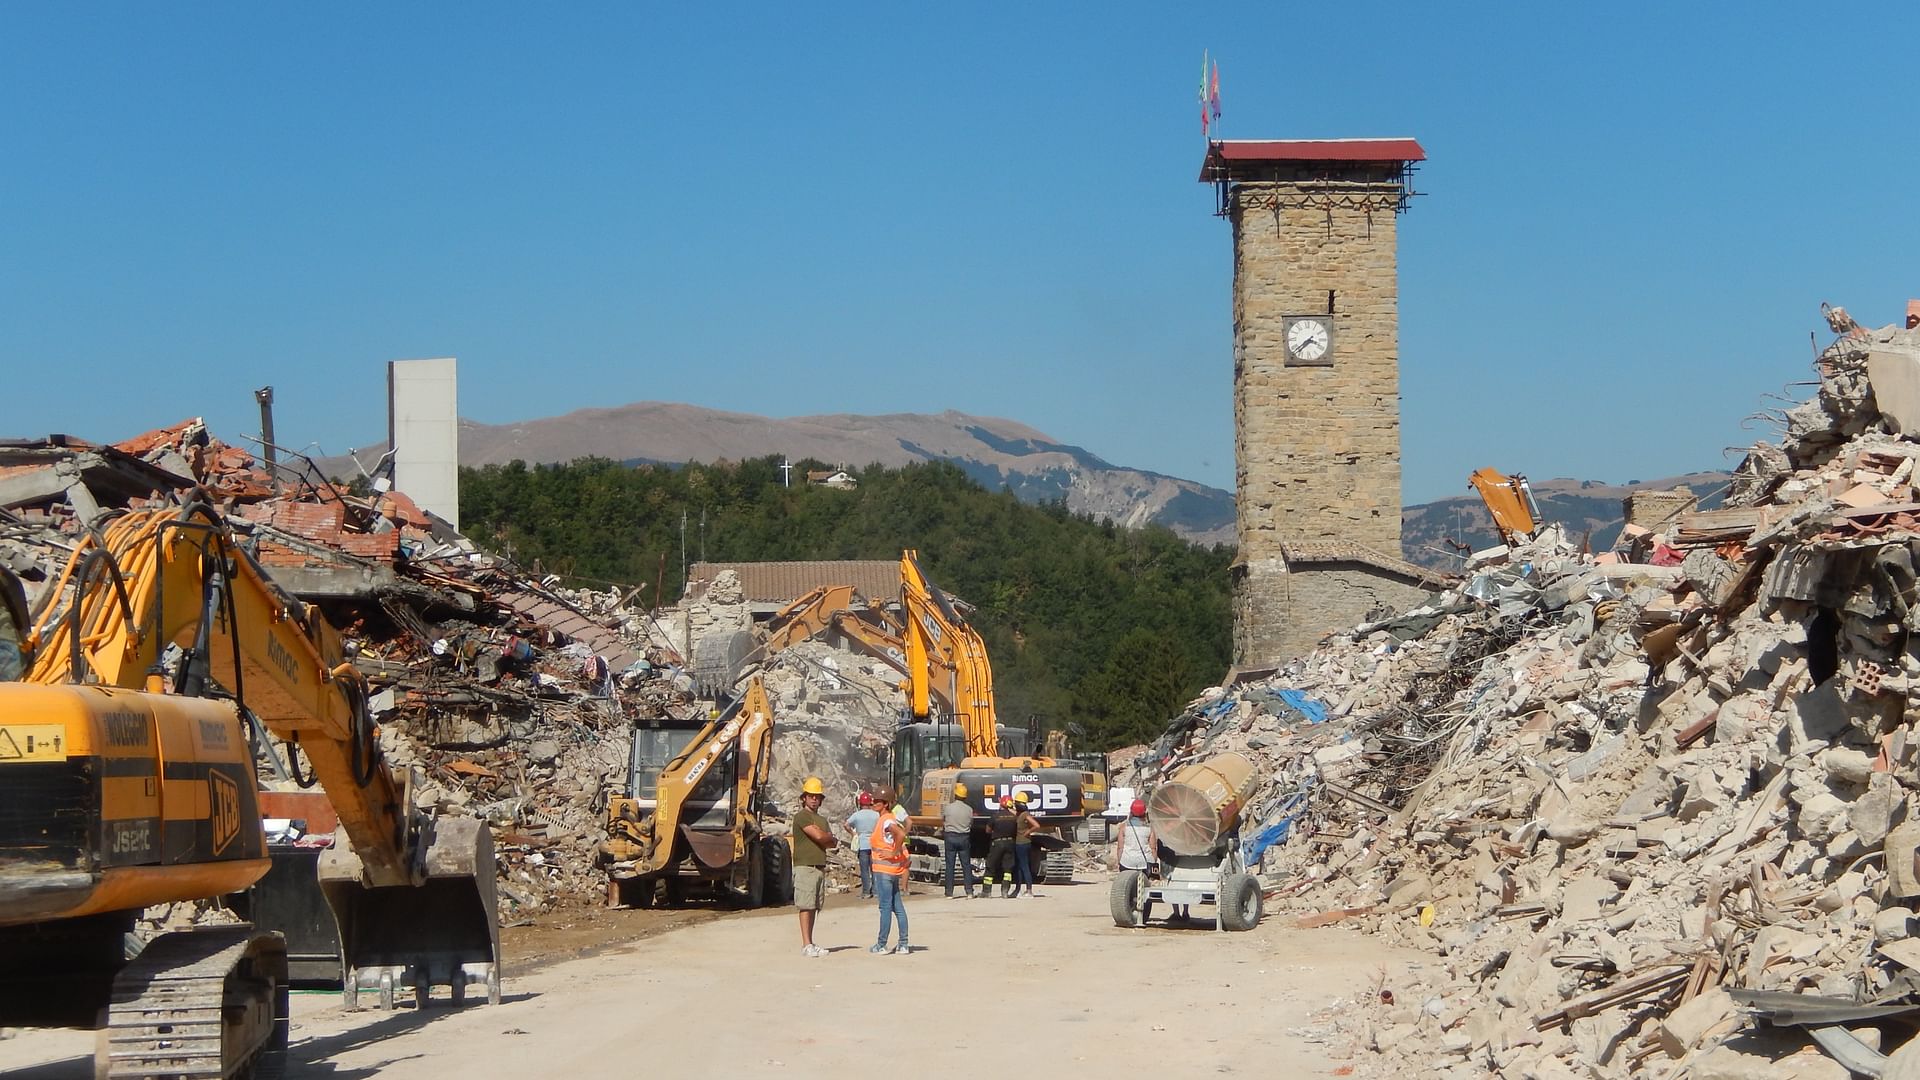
(443, 932)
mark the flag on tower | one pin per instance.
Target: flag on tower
(1213, 93)
(1206, 61)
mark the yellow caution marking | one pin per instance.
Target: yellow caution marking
(33, 742)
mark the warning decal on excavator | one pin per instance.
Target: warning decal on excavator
(223, 797)
(32, 742)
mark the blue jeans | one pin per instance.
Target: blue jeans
(866, 872)
(959, 850)
(890, 890)
(1022, 866)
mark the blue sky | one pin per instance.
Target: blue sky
(1629, 216)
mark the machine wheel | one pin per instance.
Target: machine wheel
(756, 891)
(1240, 902)
(1123, 899)
(1057, 869)
(776, 872)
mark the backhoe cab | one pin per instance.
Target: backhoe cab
(695, 824)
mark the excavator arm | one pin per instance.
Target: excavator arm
(163, 579)
(946, 658)
(413, 898)
(805, 617)
(1510, 501)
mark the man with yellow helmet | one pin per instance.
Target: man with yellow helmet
(812, 839)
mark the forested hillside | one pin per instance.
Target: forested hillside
(1113, 629)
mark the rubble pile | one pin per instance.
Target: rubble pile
(512, 698)
(1627, 800)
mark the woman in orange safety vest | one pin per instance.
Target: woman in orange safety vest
(890, 878)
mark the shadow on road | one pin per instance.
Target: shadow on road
(73, 1068)
(311, 1057)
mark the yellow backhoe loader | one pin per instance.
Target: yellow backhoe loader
(127, 780)
(701, 826)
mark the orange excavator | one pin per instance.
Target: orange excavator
(162, 656)
(954, 735)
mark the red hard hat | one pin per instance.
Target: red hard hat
(1006, 800)
(866, 799)
(1139, 808)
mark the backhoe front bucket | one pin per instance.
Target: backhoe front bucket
(445, 932)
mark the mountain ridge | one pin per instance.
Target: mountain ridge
(996, 452)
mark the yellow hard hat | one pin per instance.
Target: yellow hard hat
(813, 786)
(959, 791)
(1020, 797)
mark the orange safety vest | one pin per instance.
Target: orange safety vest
(889, 855)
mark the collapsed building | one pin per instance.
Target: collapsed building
(512, 699)
(1652, 812)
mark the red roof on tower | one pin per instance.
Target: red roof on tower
(1219, 154)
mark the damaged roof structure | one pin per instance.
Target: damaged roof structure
(1650, 812)
(514, 699)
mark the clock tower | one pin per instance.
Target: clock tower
(1316, 380)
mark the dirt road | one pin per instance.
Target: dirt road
(1041, 984)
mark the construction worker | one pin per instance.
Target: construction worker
(956, 826)
(812, 839)
(890, 878)
(1024, 826)
(861, 823)
(1000, 851)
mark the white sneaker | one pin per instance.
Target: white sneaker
(902, 949)
(813, 950)
(880, 950)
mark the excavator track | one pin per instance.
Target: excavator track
(206, 1003)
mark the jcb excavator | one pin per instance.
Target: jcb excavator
(947, 662)
(127, 780)
(700, 822)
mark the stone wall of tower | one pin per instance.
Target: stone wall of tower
(1317, 449)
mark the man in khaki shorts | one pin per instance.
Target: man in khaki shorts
(811, 841)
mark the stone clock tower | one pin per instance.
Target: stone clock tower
(1316, 381)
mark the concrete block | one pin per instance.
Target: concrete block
(1708, 1013)
(1894, 372)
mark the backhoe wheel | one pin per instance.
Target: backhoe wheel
(756, 891)
(1240, 902)
(1123, 898)
(776, 872)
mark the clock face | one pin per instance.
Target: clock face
(1309, 339)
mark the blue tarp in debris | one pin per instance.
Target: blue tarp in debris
(1280, 824)
(1282, 700)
